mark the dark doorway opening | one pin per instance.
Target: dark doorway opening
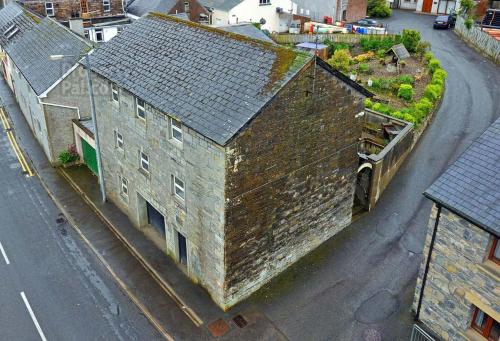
(156, 219)
(182, 249)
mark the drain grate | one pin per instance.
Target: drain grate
(240, 321)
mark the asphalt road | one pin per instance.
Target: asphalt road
(70, 294)
(360, 284)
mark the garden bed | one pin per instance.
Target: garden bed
(409, 89)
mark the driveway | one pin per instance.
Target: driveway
(360, 284)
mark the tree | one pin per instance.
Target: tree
(340, 60)
(378, 9)
(410, 39)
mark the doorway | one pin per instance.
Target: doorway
(155, 219)
(427, 6)
(182, 248)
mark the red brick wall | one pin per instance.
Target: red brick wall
(356, 10)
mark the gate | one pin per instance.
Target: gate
(89, 156)
(418, 334)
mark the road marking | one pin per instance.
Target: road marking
(4, 254)
(40, 332)
(19, 154)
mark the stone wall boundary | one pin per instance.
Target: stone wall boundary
(479, 40)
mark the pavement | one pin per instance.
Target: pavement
(357, 286)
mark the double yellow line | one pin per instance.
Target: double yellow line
(20, 157)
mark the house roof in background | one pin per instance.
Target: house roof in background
(214, 81)
(470, 187)
(142, 7)
(249, 30)
(224, 5)
(33, 46)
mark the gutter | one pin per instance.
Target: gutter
(427, 263)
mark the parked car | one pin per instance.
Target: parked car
(368, 23)
(445, 21)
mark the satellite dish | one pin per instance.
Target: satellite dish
(262, 21)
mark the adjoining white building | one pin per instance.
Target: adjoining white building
(436, 6)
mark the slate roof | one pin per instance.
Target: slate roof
(224, 5)
(36, 42)
(471, 186)
(249, 30)
(142, 7)
(213, 81)
(10, 15)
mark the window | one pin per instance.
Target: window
(84, 6)
(485, 325)
(49, 9)
(179, 189)
(144, 161)
(175, 129)
(495, 251)
(106, 5)
(118, 140)
(114, 92)
(99, 35)
(264, 2)
(186, 6)
(123, 186)
(139, 108)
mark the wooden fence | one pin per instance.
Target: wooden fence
(479, 39)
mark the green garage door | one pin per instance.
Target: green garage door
(89, 157)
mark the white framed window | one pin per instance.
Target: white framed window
(118, 140)
(124, 186)
(144, 159)
(139, 108)
(186, 6)
(106, 5)
(175, 130)
(264, 2)
(114, 93)
(179, 188)
(49, 9)
(99, 35)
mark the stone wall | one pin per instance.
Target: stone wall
(195, 9)
(356, 10)
(67, 9)
(290, 182)
(197, 161)
(66, 102)
(459, 277)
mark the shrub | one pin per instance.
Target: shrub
(423, 47)
(410, 39)
(340, 60)
(377, 43)
(434, 64)
(439, 76)
(333, 46)
(406, 79)
(469, 22)
(409, 118)
(69, 155)
(466, 6)
(364, 57)
(380, 84)
(381, 53)
(368, 103)
(405, 92)
(378, 9)
(364, 68)
(424, 105)
(428, 56)
(433, 92)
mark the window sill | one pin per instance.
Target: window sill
(491, 269)
(124, 198)
(145, 173)
(473, 335)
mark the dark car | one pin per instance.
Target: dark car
(368, 23)
(445, 21)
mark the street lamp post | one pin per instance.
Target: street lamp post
(94, 120)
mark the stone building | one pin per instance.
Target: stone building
(234, 155)
(98, 20)
(458, 288)
(50, 92)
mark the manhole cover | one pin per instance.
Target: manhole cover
(372, 335)
(240, 321)
(218, 328)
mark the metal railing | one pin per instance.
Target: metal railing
(418, 334)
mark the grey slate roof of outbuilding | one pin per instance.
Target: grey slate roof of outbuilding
(224, 5)
(213, 81)
(470, 187)
(32, 48)
(249, 30)
(142, 7)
